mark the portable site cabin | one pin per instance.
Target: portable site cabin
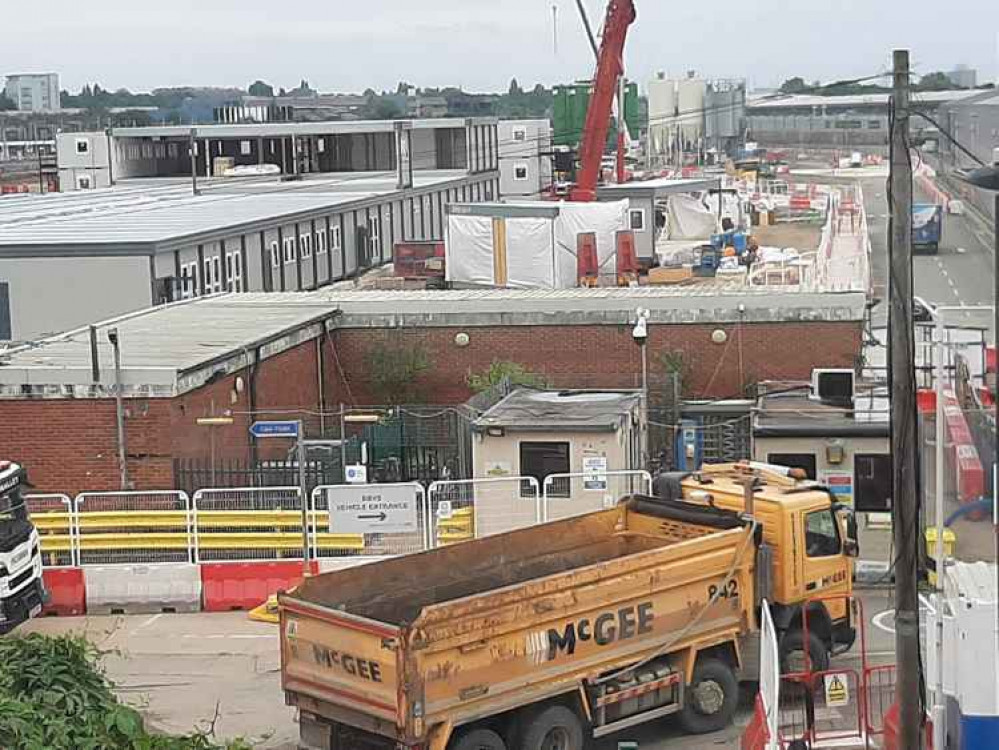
(529, 244)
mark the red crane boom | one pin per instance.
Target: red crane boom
(610, 68)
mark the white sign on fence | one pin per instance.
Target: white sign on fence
(595, 473)
(373, 509)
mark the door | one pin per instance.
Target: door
(826, 570)
(872, 482)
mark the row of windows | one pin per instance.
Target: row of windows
(290, 249)
(211, 275)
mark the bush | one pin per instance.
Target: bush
(498, 371)
(53, 696)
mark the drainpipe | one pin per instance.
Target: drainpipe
(119, 407)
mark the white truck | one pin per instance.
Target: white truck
(22, 592)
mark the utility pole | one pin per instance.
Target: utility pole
(192, 149)
(902, 377)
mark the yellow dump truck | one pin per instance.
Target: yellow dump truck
(538, 638)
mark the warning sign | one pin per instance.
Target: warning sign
(837, 692)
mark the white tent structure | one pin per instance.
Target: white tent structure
(529, 245)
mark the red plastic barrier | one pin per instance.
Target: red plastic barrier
(968, 466)
(926, 401)
(235, 585)
(755, 736)
(67, 592)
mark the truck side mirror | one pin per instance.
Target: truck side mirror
(851, 548)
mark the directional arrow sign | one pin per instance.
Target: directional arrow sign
(373, 509)
(287, 429)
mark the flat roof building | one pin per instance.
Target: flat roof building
(34, 92)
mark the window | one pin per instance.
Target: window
(188, 280)
(275, 255)
(538, 460)
(306, 242)
(289, 249)
(234, 270)
(520, 134)
(82, 146)
(636, 219)
(335, 240)
(83, 182)
(872, 482)
(804, 461)
(213, 275)
(821, 534)
(321, 244)
(321, 145)
(520, 171)
(375, 224)
(874, 124)
(245, 148)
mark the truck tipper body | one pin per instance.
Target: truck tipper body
(580, 627)
(21, 590)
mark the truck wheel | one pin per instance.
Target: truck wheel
(478, 739)
(710, 700)
(792, 652)
(553, 728)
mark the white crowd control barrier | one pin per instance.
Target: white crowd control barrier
(565, 495)
(54, 517)
(769, 674)
(247, 524)
(378, 520)
(134, 527)
(136, 589)
(471, 508)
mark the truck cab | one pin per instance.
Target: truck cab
(21, 590)
(812, 541)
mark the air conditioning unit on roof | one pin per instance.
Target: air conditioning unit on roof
(833, 386)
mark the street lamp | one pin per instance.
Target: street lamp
(640, 333)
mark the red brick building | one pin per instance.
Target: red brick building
(272, 356)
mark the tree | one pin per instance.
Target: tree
(6, 103)
(794, 85)
(505, 370)
(393, 371)
(515, 88)
(260, 88)
(282, 92)
(385, 109)
(935, 82)
(403, 88)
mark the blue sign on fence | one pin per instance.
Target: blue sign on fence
(274, 429)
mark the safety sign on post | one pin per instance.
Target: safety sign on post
(837, 691)
(373, 509)
(595, 473)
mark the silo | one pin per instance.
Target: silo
(690, 108)
(662, 109)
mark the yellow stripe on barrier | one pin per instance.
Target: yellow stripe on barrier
(181, 540)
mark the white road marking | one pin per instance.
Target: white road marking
(961, 251)
(145, 624)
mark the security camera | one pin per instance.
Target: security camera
(640, 333)
(113, 336)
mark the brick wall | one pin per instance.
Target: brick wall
(605, 356)
(70, 445)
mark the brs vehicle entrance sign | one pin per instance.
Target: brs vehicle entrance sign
(373, 509)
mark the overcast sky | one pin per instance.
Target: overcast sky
(350, 45)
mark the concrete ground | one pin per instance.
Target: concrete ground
(177, 668)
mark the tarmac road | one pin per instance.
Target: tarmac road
(178, 668)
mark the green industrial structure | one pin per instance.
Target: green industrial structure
(571, 101)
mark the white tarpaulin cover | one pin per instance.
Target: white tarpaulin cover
(469, 249)
(606, 219)
(731, 206)
(689, 219)
(540, 252)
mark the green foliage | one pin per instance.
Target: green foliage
(935, 82)
(260, 88)
(674, 364)
(499, 371)
(395, 370)
(53, 696)
(6, 102)
(794, 85)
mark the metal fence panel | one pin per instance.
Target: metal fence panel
(247, 523)
(54, 518)
(471, 508)
(331, 538)
(134, 527)
(567, 495)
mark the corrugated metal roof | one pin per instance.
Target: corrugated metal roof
(150, 211)
(561, 410)
(273, 129)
